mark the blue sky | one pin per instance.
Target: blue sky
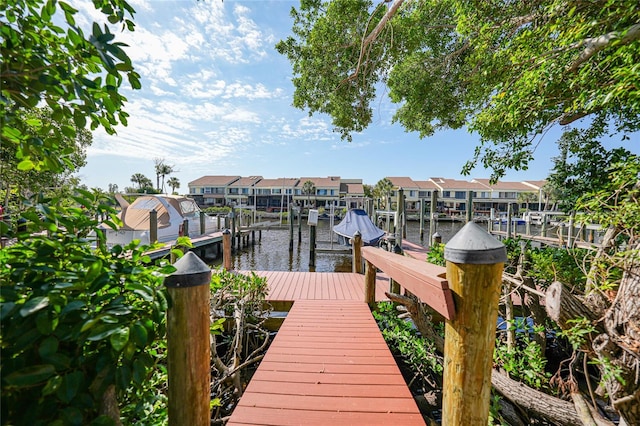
(216, 100)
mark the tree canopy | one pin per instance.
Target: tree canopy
(507, 70)
(47, 59)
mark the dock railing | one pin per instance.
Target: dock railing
(466, 294)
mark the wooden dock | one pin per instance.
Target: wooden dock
(328, 365)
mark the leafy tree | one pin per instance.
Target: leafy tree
(308, 188)
(18, 183)
(506, 70)
(48, 59)
(582, 167)
(174, 183)
(113, 188)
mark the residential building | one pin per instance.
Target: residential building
(274, 195)
(327, 192)
(241, 192)
(453, 195)
(352, 194)
(211, 191)
(504, 193)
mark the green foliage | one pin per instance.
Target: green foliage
(549, 264)
(506, 70)
(217, 210)
(435, 254)
(578, 333)
(418, 352)
(524, 362)
(48, 59)
(582, 167)
(76, 320)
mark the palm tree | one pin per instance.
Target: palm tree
(162, 169)
(383, 189)
(308, 188)
(173, 184)
(140, 180)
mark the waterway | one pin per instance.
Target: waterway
(272, 253)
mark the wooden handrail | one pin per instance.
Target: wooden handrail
(426, 281)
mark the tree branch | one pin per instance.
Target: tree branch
(595, 44)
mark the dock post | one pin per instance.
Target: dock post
(226, 250)
(422, 203)
(299, 214)
(527, 225)
(153, 226)
(492, 216)
(290, 227)
(543, 231)
(233, 227)
(400, 217)
(185, 228)
(312, 245)
(218, 224)
(475, 261)
(188, 347)
(370, 284)
(356, 245)
(469, 210)
(433, 218)
(203, 225)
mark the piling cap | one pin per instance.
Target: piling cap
(473, 245)
(191, 271)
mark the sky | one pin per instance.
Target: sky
(216, 99)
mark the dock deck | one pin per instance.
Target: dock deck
(327, 365)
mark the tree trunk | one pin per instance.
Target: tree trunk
(555, 410)
(617, 338)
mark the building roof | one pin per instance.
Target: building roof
(320, 182)
(246, 181)
(535, 184)
(453, 184)
(352, 188)
(402, 182)
(426, 184)
(277, 183)
(504, 186)
(214, 181)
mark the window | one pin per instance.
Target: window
(321, 192)
(412, 193)
(461, 195)
(446, 194)
(276, 191)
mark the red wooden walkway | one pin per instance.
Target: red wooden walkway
(328, 365)
(292, 286)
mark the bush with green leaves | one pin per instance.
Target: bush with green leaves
(419, 353)
(77, 320)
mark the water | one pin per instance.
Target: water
(272, 252)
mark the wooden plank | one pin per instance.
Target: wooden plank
(423, 279)
(326, 369)
(282, 417)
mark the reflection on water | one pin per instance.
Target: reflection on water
(272, 252)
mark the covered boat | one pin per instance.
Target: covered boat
(172, 210)
(358, 220)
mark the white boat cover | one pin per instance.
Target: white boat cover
(358, 220)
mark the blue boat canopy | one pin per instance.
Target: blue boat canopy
(358, 220)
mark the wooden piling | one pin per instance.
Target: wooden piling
(185, 228)
(422, 205)
(226, 250)
(203, 224)
(188, 347)
(469, 211)
(475, 261)
(233, 227)
(400, 217)
(290, 227)
(153, 226)
(433, 218)
(509, 224)
(312, 245)
(356, 246)
(370, 284)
